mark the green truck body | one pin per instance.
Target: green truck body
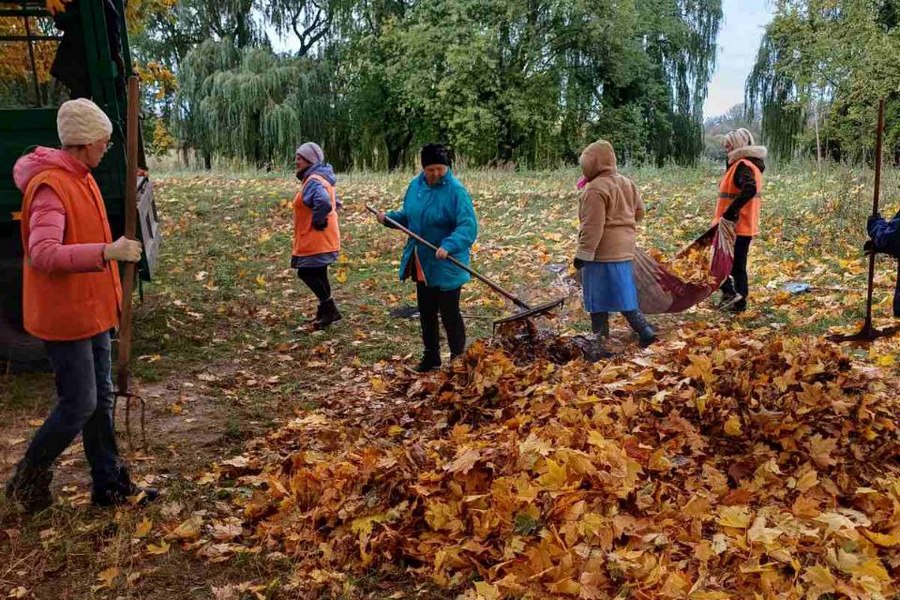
(24, 127)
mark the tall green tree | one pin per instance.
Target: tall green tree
(822, 67)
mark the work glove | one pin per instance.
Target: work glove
(872, 221)
(320, 225)
(731, 215)
(869, 247)
(578, 263)
(123, 250)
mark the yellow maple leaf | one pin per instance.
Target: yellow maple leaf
(162, 548)
(188, 531)
(107, 578)
(659, 461)
(362, 526)
(820, 450)
(143, 528)
(487, 591)
(872, 568)
(808, 480)
(820, 578)
(555, 476)
(738, 517)
(885, 540)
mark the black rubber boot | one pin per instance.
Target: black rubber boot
(600, 324)
(30, 487)
(121, 491)
(328, 314)
(429, 362)
(639, 324)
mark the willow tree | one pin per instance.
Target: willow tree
(680, 37)
(774, 97)
(837, 54)
(252, 104)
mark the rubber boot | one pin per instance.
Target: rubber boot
(121, 491)
(639, 324)
(328, 315)
(30, 487)
(430, 362)
(600, 324)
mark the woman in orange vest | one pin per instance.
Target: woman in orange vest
(739, 202)
(72, 299)
(317, 234)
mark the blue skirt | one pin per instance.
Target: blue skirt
(609, 287)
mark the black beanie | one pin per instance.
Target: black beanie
(435, 154)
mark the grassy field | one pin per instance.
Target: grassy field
(224, 352)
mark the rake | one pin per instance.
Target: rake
(869, 333)
(527, 311)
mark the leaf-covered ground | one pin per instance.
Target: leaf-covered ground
(738, 454)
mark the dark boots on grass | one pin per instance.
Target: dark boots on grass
(326, 314)
(30, 487)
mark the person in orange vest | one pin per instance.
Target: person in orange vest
(739, 201)
(317, 234)
(72, 299)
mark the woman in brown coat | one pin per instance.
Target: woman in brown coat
(608, 212)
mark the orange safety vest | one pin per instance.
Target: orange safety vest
(71, 306)
(308, 240)
(748, 218)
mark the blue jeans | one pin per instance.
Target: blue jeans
(83, 372)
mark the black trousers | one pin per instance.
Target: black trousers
(316, 278)
(432, 302)
(739, 283)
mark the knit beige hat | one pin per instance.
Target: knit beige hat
(739, 138)
(80, 122)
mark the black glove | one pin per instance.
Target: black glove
(578, 263)
(869, 247)
(320, 225)
(731, 215)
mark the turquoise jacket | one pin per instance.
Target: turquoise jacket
(442, 214)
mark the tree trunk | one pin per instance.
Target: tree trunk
(396, 147)
(818, 139)
(185, 157)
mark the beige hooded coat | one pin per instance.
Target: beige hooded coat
(609, 209)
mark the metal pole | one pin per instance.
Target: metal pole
(34, 74)
(878, 148)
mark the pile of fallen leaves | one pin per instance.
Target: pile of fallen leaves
(692, 267)
(716, 466)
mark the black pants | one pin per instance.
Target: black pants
(316, 278)
(433, 301)
(738, 283)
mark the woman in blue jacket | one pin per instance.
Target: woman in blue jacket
(438, 208)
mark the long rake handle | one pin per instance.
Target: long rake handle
(131, 168)
(878, 157)
(494, 286)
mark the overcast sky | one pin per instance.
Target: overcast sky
(739, 37)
